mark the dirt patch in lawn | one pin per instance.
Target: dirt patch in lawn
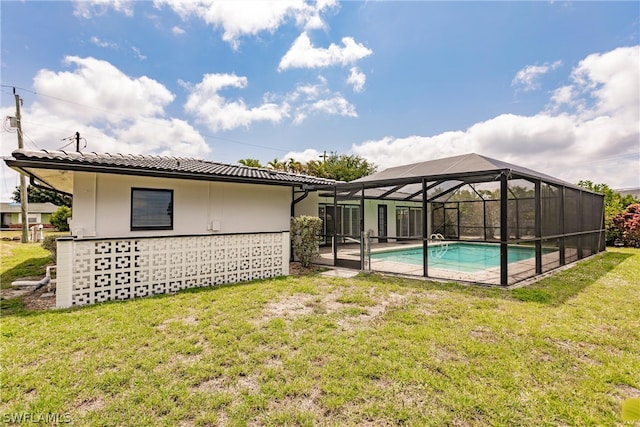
(296, 269)
(189, 321)
(304, 304)
(243, 384)
(92, 404)
(41, 299)
(626, 391)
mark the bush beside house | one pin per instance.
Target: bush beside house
(305, 232)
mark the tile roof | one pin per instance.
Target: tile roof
(46, 207)
(176, 167)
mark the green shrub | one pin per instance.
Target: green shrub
(59, 218)
(49, 243)
(305, 231)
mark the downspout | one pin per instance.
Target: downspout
(298, 200)
(293, 212)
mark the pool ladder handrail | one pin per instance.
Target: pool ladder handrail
(442, 248)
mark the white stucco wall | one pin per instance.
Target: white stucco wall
(308, 206)
(102, 206)
(371, 213)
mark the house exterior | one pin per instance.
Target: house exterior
(146, 225)
(38, 213)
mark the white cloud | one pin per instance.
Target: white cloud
(303, 156)
(312, 18)
(528, 77)
(45, 129)
(218, 113)
(317, 99)
(111, 96)
(115, 113)
(303, 54)
(334, 106)
(177, 30)
(249, 17)
(87, 9)
(165, 137)
(138, 54)
(101, 43)
(604, 84)
(599, 141)
(356, 79)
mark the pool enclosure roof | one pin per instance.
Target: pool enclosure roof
(405, 182)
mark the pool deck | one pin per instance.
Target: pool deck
(518, 271)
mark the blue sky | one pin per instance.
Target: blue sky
(552, 86)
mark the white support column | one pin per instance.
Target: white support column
(64, 282)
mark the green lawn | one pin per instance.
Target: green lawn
(309, 350)
(22, 261)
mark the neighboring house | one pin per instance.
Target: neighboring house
(635, 192)
(146, 225)
(38, 213)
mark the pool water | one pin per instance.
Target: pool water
(465, 257)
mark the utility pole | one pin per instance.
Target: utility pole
(77, 142)
(23, 179)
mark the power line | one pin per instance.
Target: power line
(31, 141)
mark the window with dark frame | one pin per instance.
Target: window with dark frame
(151, 209)
(408, 221)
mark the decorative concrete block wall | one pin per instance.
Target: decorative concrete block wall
(91, 271)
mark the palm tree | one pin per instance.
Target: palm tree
(294, 166)
(276, 164)
(252, 163)
(316, 168)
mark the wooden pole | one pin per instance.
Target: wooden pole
(24, 208)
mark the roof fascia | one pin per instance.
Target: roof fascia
(117, 170)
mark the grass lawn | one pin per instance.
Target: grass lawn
(310, 350)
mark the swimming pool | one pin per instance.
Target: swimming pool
(465, 257)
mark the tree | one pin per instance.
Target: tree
(341, 167)
(59, 218)
(39, 195)
(252, 163)
(316, 168)
(347, 167)
(276, 164)
(294, 166)
(614, 204)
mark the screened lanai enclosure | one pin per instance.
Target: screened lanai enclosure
(467, 218)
